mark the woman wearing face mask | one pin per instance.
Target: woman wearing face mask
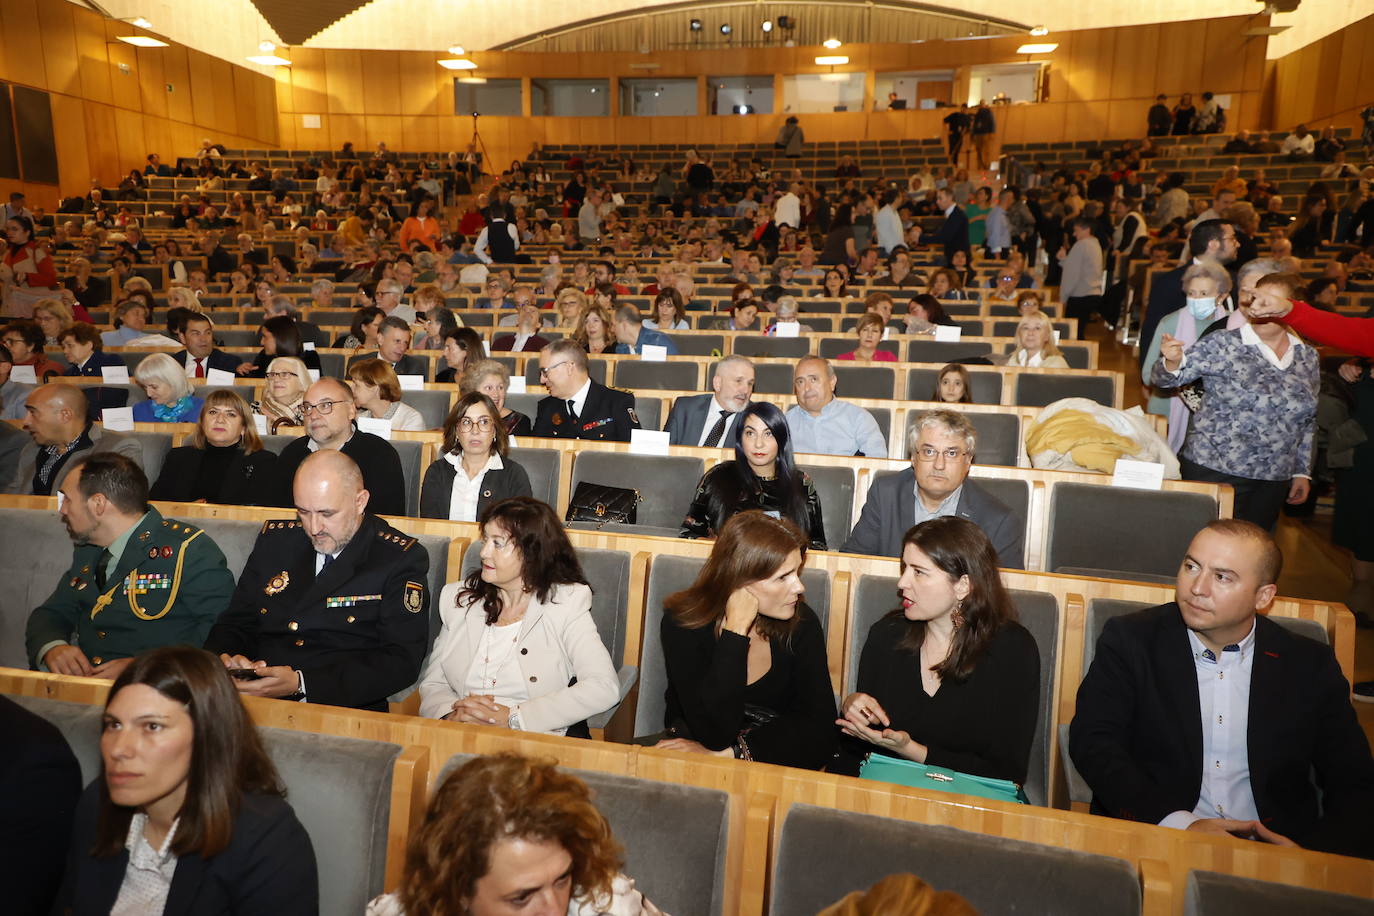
(747, 674)
(1205, 287)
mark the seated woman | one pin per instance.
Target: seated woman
(744, 316)
(762, 475)
(459, 345)
(924, 314)
(518, 648)
(952, 386)
(25, 340)
(169, 392)
(950, 678)
(188, 806)
(474, 472)
(82, 347)
(438, 320)
(747, 674)
(54, 316)
(506, 834)
(1028, 301)
(570, 303)
(130, 323)
(594, 329)
(834, 286)
(377, 394)
(287, 380)
(1035, 344)
(225, 463)
(281, 336)
(362, 334)
(669, 312)
(870, 333)
(492, 378)
(946, 284)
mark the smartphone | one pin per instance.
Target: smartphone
(245, 674)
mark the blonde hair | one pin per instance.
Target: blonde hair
(159, 367)
(182, 297)
(228, 397)
(1049, 349)
(57, 309)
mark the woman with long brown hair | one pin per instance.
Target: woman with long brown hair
(747, 672)
(188, 814)
(950, 678)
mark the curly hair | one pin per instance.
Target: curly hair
(547, 556)
(499, 797)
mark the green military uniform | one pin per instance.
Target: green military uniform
(168, 586)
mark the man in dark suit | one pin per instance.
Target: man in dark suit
(218, 261)
(942, 444)
(953, 232)
(1211, 240)
(393, 340)
(1203, 715)
(709, 419)
(526, 338)
(579, 407)
(201, 355)
(12, 442)
(329, 414)
(332, 606)
(56, 421)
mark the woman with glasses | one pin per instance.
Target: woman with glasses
(475, 470)
(24, 339)
(287, 379)
(225, 461)
(519, 648)
(377, 393)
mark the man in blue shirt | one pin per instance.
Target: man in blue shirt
(823, 425)
(633, 337)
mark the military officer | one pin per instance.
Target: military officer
(577, 406)
(137, 581)
(332, 606)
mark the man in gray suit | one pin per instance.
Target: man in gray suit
(55, 419)
(694, 420)
(942, 445)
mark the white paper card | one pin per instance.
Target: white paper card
(787, 329)
(219, 377)
(652, 354)
(118, 419)
(948, 333)
(309, 344)
(260, 422)
(1056, 337)
(1139, 475)
(486, 347)
(517, 385)
(115, 375)
(412, 382)
(61, 500)
(648, 442)
(314, 374)
(887, 333)
(376, 426)
(23, 375)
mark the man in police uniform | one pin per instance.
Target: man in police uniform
(137, 581)
(332, 606)
(577, 406)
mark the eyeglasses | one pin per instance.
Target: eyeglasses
(324, 408)
(467, 423)
(930, 453)
(283, 375)
(545, 372)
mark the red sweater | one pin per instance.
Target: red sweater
(1355, 335)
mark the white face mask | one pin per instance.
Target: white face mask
(1202, 308)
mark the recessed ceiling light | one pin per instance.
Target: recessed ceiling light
(833, 60)
(142, 23)
(1040, 31)
(1045, 48)
(269, 60)
(832, 43)
(142, 41)
(457, 63)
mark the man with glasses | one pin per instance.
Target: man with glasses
(942, 445)
(329, 414)
(389, 301)
(578, 407)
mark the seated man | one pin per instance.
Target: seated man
(199, 354)
(823, 425)
(393, 340)
(332, 606)
(137, 581)
(943, 444)
(329, 425)
(55, 419)
(633, 337)
(1163, 735)
(709, 419)
(579, 407)
(526, 338)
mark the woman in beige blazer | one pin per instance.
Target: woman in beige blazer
(518, 631)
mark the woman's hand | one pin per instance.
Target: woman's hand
(862, 710)
(1171, 351)
(1298, 491)
(740, 611)
(244, 368)
(479, 709)
(688, 746)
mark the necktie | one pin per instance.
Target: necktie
(100, 565)
(328, 558)
(200, 368)
(572, 409)
(713, 438)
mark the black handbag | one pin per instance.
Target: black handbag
(594, 502)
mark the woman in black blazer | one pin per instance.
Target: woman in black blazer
(226, 464)
(476, 446)
(236, 845)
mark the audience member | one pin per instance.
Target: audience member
(199, 354)
(870, 330)
(526, 338)
(709, 419)
(822, 424)
(56, 419)
(1212, 241)
(169, 391)
(953, 233)
(492, 378)
(578, 406)
(25, 340)
(1081, 284)
(282, 396)
(393, 340)
(1035, 344)
(953, 386)
(632, 336)
(475, 470)
(225, 461)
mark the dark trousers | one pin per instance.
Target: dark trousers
(1082, 308)
(1258, 501)
(956, 141)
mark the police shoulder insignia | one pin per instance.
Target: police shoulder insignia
(414, 597)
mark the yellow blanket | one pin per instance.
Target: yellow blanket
(1077, 434)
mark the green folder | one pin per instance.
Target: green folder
(881, 768)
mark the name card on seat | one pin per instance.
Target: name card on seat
(115, 375)
(648, 442)
(948, 333)
(309, 344)
(23, 375)
(411, 382)
(219, 377)
(260, 424)
(314, 374)
(118, 419)
(1138, 475)
(376, 426)
(517, 385)
(787, 329)
(653, 354)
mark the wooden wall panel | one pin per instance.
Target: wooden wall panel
(95, 63)
(245, 99)
(1134, 59)
(57, 34)
(1328, 81)
(381, 82)
(152, 82)
(102, 141)
(176, 70)
(202, 86)
(224, 118)
(123, 70)
(344, 79)
(69, 134)
(19, 24)
(129, 138)
(1182, 49)
(307, 80)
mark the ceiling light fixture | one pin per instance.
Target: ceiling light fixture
(1045, 48)
(457, 63)
(1040, 31)
(142, 23)
(832, 43)
(473, 80)
(695, 25)
(833, 60)
(767, 26)
(268, 56)
(142, 41)
(725, 28)
(457, 51)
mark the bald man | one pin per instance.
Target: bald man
(55, 419)
(332, 606)
(329, 426)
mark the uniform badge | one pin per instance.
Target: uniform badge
(278, 584)
(634, 417)
(557, 419)
(166, 553)
(145, 535)
(152, 553)
(414, 597)
(76, 583)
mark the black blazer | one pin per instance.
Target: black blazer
(608, 415)
(269, 866)
(247, 482)
(437, 489)
(953, 234)
(1137, 734)
(376, 458)
(217, 359)
(406, 365)
(262, 361)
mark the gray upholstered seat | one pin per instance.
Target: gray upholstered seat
(238, 338)
(669, 574)
(864, 382)
(1118, 531)
(155, 449)
(247, 392)
(784, 347)
(1211, 894)
(432, 405)
(275, 443)
(984, 387)
(526, 402)
(409, 453)
(541, 465)
(331, 365)
(30, 567)
(650, 411)
(698, 344)
(79, 723)
(1037, 389)
(941, 351)
(608, 572)
(637, 375)
(340, 789)
(772, 378)
(665, 482)
(999, 435)
(835, 487)
(824, 854)
(1078, 356)
(883, 417)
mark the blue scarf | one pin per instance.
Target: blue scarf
(171, 413)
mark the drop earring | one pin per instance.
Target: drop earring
(957, 618)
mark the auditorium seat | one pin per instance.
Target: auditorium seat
(340, 789)
(1212, 894)
(835, 488)
(331, 365)
(525, 402)
(863, 382)
(79, 723)
(883, 417)
(240, 338)
(698, 344)
(782, 347)
(671, 376)
(669, 574)
(541, 465)
(941, 351)
(984, 387)
(770, 379)
(1118, 532)
(1036, 389)
(432, 405)
(650, 412)
(999, 436)
(665, 482)
(823, 855)
(156, 445)
(410, 454)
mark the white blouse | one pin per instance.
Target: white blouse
(401, 415)
(148, 876)
(462, 502)
(495, 671)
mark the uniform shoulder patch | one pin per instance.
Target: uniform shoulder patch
(403, 541)
(414, 597)
(186, 529)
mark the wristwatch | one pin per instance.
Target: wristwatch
(514, 722)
